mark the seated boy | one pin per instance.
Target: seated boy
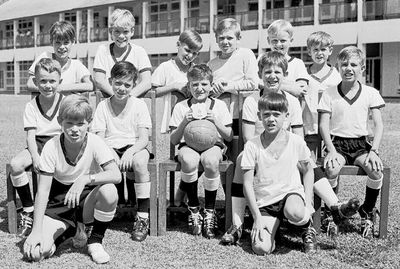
(122, 27)
(75, 77)
(343, 124)
(273, 69)
(124, 123)
(76, 169)
(40, 124)
(200, 79)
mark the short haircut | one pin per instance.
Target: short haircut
(62, 30)
(351, 51)
(273, 101)
(124, 69)
(228, 24)
(319, 38)
(122, 18)
(48, 65)
(199, 72)
(278, 26)
(75, 107)
(192, 39)
(271, 58)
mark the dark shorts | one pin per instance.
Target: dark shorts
(41, 140)
(122, 150)
(235, 127)
(56, 208)
(276, 209)
(313, 143)
(218, 144)
(351, 148)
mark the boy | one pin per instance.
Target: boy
(343, 124)
(273, 69)
(75, 77)
(124, 123)
(272, 183)
(76, 169)
(199, 83)
(234, 68)
(171, 76)
(121, 29)
(40, 124)
(280, 38)
(322, 76)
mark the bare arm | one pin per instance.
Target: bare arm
(296, 88)
(32, 147)
(378, 133)
(102, 84)
(324, 121)
(177, 133)
(163, 90)
(298, 130)
(308, 182)
(144, 85)
(249, 131)
(85, 85)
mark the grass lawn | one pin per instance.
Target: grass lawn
(178, 249)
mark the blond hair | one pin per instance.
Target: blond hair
(319, 38)
(279, 26)
(75, 106)
(122, 18)
(228, 24)
(349, 52)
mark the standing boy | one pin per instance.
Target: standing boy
(75, 77)
(124, 123)
(76, 169)
(40, 124)
(122, 26)
(343, 124)
(200, 79)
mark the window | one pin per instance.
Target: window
(24, 73)
(157, 59)
(9, 32)
(1, 79)
(193, 7)
(301, 53)
(71, 17)
(253, 5)
(10, 76)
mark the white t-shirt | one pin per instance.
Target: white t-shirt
(297, 70)
(35, 118)
(105, 59)
(275, 178)
(316, 86)
(54, 162)
(219, 109)
(349, 118)
(250, 109)
(167, 73)
(121, 130)
(73, 72)
(240, 69)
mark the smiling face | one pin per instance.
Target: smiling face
(186, 55)
(281, 42)
(46, 82)
(62, 48)
(351, 69)
(200, 89)
(272, 76)
(272, 120)
(75, 129)
(122, 87)
(121, 35)
(320, 54)
(227, 42)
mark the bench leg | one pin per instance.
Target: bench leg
(162, 199)
(153, 199)
(228, 196)
(384, 210)
(317, 213)
(11, 203)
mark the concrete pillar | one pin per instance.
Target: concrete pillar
(78, 24)
(17, 85)
(145, 18)
(213, 11)
(316, 12)
(183, 13)
(261, 8)
(89, 23)
(36, 30)
(61, 16)
(360, 10)
(110, 11)
(15, 30)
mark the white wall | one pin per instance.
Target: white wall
(390, 69)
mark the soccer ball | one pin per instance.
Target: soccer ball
(200, 134)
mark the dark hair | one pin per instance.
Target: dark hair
(273, 58)
(192, 39)
(351, 51)
(62, 30)
(124, 69)
(273, 101)
(75, 106)
(319, 38)
(200, 71)
(228, 24)
(48, 65)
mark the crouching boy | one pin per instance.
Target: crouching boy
(77, 170)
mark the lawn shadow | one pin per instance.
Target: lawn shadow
(3, 216)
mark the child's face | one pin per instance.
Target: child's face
(272, 120)
(62, 48)
(200, 89)
(122, 87)
(75, 129)
(320, 54)
(47, 83)
(272, 76)
(351, 69)
(121, 35)
(280, 41)
(185, 54)
(227, 42)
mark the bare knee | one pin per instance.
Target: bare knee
(211, 164)
(188, 162)
(107, 194)
(294, 214)
(17, 166)
(140, 167)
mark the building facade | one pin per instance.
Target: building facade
(372, 25)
